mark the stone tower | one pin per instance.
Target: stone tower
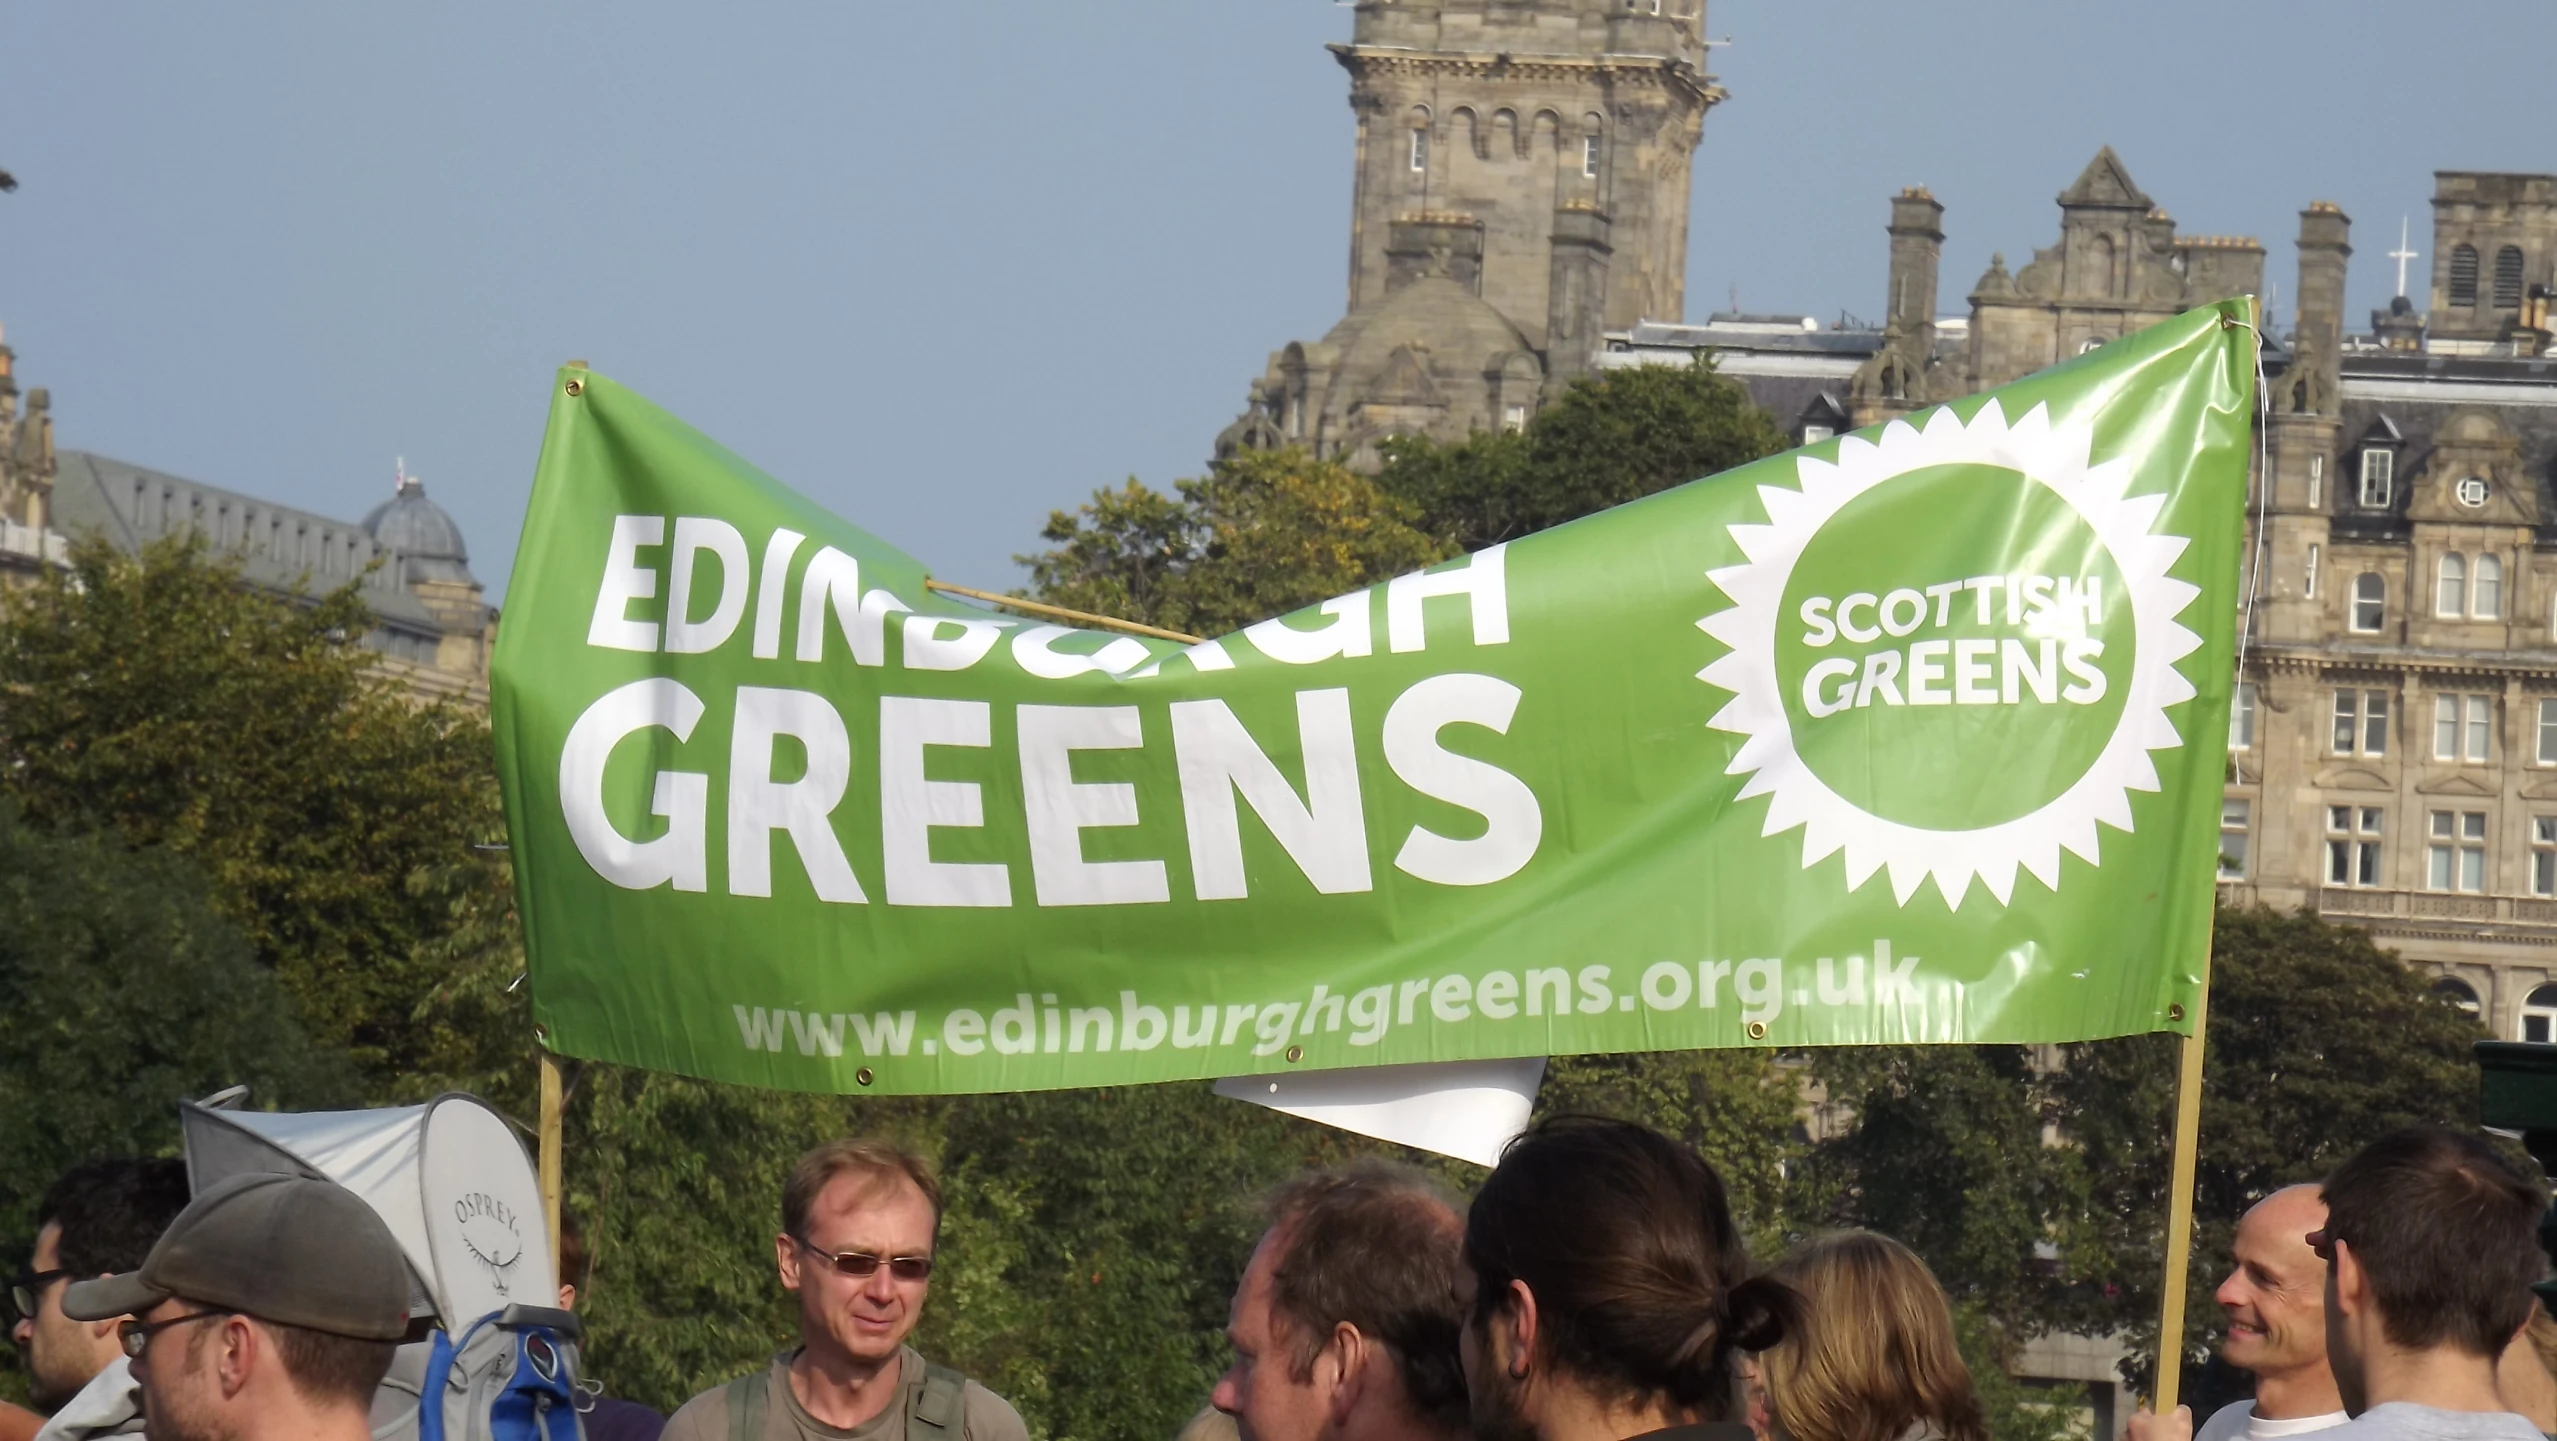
(2494, 254)
(1519, 186)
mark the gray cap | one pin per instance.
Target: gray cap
(280, 1248)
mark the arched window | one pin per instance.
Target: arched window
(2486, 598)
(2100, 256)
(2370, 601)
(2458, 992)
(2539, 1014)
(2450, 594)
(2463, 275)
(2508, 278)
(1419, 120)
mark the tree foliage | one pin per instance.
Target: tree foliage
(2319, 1042)
(121, 991)
(1262, 534)
(1617, 436)
(159, 698)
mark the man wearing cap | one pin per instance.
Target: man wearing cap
(268, 1311)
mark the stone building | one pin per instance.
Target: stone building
(2393, 747)
(1519, 186)
(433, 630)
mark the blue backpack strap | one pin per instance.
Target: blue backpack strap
(747, 1397)
(430, 1394)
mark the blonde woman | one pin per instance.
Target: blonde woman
(1874, 1359)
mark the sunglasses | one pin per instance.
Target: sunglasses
(136, 1335)
(861, 1265)
(25, 1290)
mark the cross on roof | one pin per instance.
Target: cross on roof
(2401, 255)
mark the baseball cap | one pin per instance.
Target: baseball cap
(289, 1249)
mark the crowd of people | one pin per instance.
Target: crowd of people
(1594, 1289)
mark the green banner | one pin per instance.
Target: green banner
(1914, 735)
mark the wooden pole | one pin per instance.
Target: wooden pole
(1014, 602)
(2179, 1203)
(551, 1107)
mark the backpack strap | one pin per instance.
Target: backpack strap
(937, 1404)
(748, 1396)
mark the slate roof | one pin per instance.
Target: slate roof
(292, 551)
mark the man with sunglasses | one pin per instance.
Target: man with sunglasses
(98, 1218)
(268, 1311)
(2430, 1246)
(859, 1221)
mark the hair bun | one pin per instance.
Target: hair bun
(1762, 1311)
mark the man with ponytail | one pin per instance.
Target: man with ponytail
(1607, 1291)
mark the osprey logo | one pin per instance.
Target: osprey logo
(491, 1234)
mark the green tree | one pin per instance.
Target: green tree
(2319, 1042)
(160, 698)
(1946, 1154)
(1617, 436)
(122, 992)
(1262, 534)
(1735, 1107)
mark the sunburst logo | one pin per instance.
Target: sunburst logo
(1952, 651)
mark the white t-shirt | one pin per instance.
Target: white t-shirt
(2237, 1421)
(2406, 1421)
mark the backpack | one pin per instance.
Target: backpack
(936, 1405)
(459, 1194)
(512, 1376)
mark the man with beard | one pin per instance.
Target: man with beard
(2431, 1246)
(1344, 1326)
(99, 1218)
(1607, 1291)
(268, 1311)
(2276, 1305)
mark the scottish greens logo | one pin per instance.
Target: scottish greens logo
(1952, 652)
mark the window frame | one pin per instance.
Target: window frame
(2455, 852)
(2241, 717)
(2354, 836)
(1589, 149)
(2543, 855)
(2486, 587)
(2237, 819)
(2378, 476)
(2308, 579)
(1420, 150)
(2361, 722)
(2362, 596)
(2317, 482)
(2450, 586)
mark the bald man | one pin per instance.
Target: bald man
(2275, 1301)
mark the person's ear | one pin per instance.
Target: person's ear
(785, 1260)
(567, 1297)
(2351, 1283)
(1343, 1367)
(1518, 1307)
(238, 1350)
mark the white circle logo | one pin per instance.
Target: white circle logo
(1952, 652)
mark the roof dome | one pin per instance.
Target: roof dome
(427, 541)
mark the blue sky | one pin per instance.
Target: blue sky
(946, 267)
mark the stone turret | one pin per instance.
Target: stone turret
(1534, 155)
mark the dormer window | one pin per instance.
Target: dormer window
(1814, 434)
(2379, 474)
